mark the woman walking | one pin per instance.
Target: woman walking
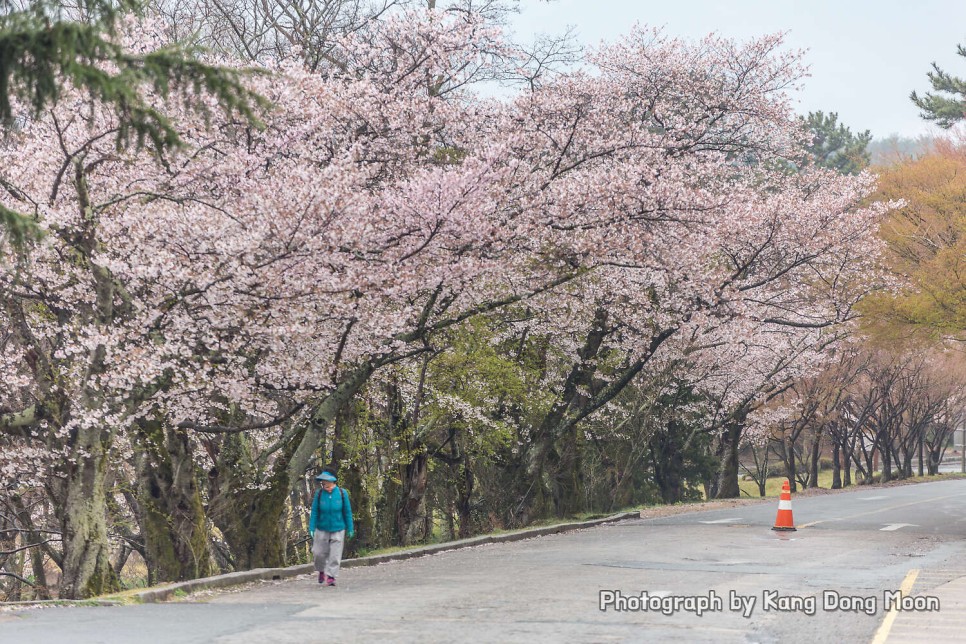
(329, 523)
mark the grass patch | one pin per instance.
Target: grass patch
(388, 550)
(773, 485)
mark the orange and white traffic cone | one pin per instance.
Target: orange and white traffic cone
(784, 520)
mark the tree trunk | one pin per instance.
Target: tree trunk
(298, 549)
(727, 487)
(846, 468)
(816, 458)
(788, 457)
(86, 569)
(411, 515)
(668, 462)
(13, 564)
(906, 471)
(935, 454)
(252, 523)
(464, 491)
(22, 512)
(350, 479)
(40, 589)
(310, 437)
(10, 541)
(921, 459)
(174, 526)
(568, 478)
(251, 519)
(836, 466)
(554, 451)
(886, 461)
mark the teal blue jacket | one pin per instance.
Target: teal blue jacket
(331, 512)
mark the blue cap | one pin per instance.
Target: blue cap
(325, 476)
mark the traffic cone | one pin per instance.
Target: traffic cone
(784, 520)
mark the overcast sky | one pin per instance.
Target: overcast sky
(864, 56)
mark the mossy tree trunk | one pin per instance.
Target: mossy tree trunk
(173, 521)
(465, 484)
(80, 491)
(555, 452)
(249, 513)
(409, 509)
(568, 489)
(86, 569)
(668, 459)
(411, 515)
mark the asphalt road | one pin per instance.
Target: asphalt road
(855, 548)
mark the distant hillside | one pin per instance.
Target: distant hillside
(888, 150)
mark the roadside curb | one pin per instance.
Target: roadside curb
(163, 593)
(50, 603)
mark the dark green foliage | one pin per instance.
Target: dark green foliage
(46, 48)
(19, 228)
(834, 145)
(948, 106)
(42, 50)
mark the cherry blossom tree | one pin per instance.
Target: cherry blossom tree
(674, 182)
(199, 293)
(217, 307)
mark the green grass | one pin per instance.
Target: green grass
(773, 486)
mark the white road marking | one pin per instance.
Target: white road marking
(723, 520)
(872, 498)
(896, 526)
(883, 509)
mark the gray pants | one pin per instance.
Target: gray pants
(327, 550)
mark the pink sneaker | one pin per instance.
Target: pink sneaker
(321, 577)
(329, 581)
